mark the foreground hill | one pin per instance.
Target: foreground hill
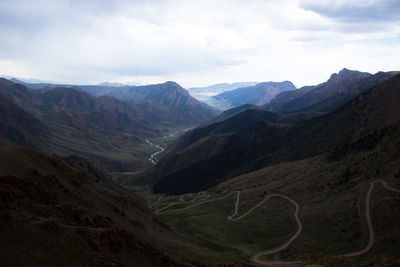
(323, 191)
(64, 212)
(337, 211)
(219, 157)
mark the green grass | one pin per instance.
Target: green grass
(331, 195)
(233, 241)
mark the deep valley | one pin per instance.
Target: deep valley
(150, 176)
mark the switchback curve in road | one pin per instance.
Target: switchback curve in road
(368, 217)
(255, 258)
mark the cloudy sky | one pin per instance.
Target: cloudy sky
(196, 42)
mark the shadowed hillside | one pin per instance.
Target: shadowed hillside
(328, 96)
(106, 130)
(64, 212)
(219, 157)
(19, 127)
(168, 94)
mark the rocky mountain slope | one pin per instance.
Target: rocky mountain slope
(258, 95)
(64, 212)
(218, 157)
(326, 97)
(108, 131)
(168, 94)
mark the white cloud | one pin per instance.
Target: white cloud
(192, 42)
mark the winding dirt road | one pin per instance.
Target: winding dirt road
(257, 257)
(368, 217)
(202, 201)
(156, 203)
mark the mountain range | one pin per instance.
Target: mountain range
(256, 138)
(325, 97)
(205, 94)
(226, 96)
(108, 131)
(314, 184)
(168, 94)
(258, 94)
(304, 176)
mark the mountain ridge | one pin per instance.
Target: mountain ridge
(263, 144)
(167, 94)
(327, 96)
(258, 94)
(108, 131)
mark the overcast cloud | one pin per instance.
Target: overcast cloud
(196, 42)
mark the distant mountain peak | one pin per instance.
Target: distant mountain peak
(172, 83)
(175, 86)
(169, 94)
(283, 83)
(346, 74)
(258, 94)
(345, 70)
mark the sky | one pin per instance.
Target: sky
(196, 42)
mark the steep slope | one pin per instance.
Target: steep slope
(230, 113)
(259, 94)
(108, 131)
(168, 94)
(17, 94)
(220, 157)
(235, 123)
(282, 100)
(327, 96)
(181, 107)
(117, 113)
(19, 127)
(319, 207)
(64, 212)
